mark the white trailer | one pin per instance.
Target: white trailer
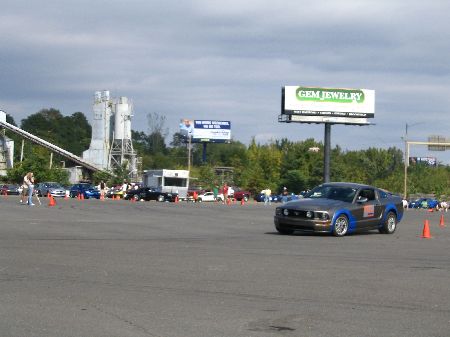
(170, 181)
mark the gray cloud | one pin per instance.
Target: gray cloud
(229, 60)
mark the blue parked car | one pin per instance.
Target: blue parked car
(86, 189)
(423, 203)
(277, 197)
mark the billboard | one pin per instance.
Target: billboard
(437, 139)
(327, 105)
(206, 131)
(211, 131)
(428, 161)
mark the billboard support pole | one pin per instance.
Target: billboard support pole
(189, 153)
(326, 153)
(204, 153)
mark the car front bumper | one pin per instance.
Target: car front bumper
(306, 225)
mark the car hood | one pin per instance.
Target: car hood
(314, 204)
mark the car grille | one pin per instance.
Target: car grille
(296, 213)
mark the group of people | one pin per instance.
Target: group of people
(27, 189)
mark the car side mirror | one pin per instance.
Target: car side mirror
(362, 200)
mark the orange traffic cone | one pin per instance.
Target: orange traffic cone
(82, 196)
(78, 196)
(176, 199)
(228, 201)
(242, 202)
(441, 221)
(426, 230)
(52, 202)
(66, 197)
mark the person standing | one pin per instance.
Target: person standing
(285, 194)
(216, 192)
(102, 189)
(267, 194)
(225, 193)
(24, 194)
(195, 196)
(29, 181)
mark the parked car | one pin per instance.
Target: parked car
(55, 189)
(260, 197)
(150, 193)
(278, 197)
(86, 189)
(239, 194)
(209, 196)
(10, 189)
(340, 209)
(423, 203)
(115, 192)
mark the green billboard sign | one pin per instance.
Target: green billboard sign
(330, 95)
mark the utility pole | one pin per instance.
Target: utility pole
(189, 152)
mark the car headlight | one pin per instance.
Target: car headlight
(286, 211)
(309, 214)
(322, 215)
(278, 211)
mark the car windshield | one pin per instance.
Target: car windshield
(341, 193)
(54, 185)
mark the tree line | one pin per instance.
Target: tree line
(254, 167)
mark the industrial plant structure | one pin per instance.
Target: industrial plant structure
(6, 149)
(111, 145)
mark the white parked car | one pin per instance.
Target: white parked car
(209, 196)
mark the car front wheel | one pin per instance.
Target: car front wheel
(390, 224)
(340, 226)
(161, 198)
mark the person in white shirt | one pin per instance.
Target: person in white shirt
(29, 182)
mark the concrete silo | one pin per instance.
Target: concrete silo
(122, 146)
(111, 145)
(99, 148)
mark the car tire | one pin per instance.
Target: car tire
(390, 224)
(245, 198)
(161, 198)
(340, 226)
(199, 200)
(284, 231)
(136, 197)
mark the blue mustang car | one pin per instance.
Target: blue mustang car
(339, 209)
(85, 189)
(423, 203)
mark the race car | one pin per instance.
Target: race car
(340, 209)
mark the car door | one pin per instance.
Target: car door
(368, 213)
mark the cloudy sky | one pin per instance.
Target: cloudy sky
(227, 60)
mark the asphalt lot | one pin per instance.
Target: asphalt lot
(116, 268)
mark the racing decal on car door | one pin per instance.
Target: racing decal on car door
(369, 211)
